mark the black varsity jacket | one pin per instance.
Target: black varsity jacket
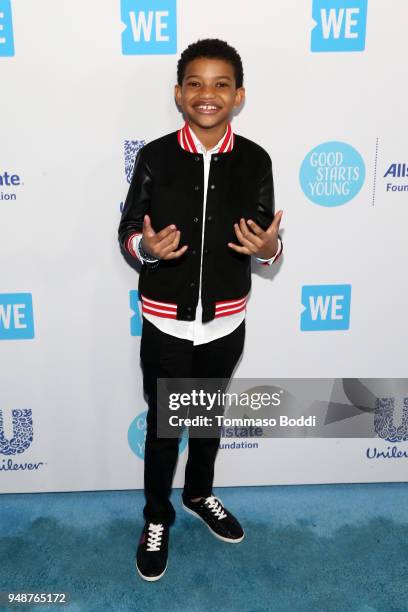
(167, 184)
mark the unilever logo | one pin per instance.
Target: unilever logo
(325, 307)
(150, 27)
(332, 174)
(20, 441)
(340, 25)
(137, 436)
(132, 148)
(6, 29)
(384, 420)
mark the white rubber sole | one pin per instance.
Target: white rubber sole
(212, 531)
(150, 578)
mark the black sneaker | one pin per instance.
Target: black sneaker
(151, 558)
(217, 518)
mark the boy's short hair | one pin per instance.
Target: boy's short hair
(212, 48)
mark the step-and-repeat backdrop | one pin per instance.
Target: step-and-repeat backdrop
(84, 85)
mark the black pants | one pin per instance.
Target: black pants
(165, 356)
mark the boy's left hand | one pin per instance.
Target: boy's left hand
(255, 240)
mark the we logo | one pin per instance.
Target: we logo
(340, 25)
(136, 319)
(6, 29)
(150, 27)
(16, 316)
(326, 307)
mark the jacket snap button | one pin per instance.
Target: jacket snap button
(192, 284)
(215, 158)
(189, 308)
(206, 251)
(212, 186)
(188, 317)
(209, 218)
(196, 187)
(193, 252)
(197, 158)
(195, 219)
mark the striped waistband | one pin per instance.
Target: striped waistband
(169, 309)
(160, 309)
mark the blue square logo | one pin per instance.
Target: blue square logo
(16, 316)
(150, 27)
(325, 307)
(340, 25)
(6, 30)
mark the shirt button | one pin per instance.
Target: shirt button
(196, 187)
(212, 186)
(209, 218)
(195, 219)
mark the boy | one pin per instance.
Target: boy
(199, 205)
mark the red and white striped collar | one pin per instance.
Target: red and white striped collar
(188, 140)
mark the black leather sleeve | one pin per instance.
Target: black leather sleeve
(265, 211)
(137, 202)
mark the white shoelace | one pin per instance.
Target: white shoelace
(154, 536)
(215, 506)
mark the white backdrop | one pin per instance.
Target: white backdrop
(70, 98)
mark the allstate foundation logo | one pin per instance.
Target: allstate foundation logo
(8, 184)
(325, 307)
(137, 436)
(150, 27)
(332, 174)
(131, 148)
(136, 319)
(19, 442)
(396, 176)
(6, 29)
(16, 316)
(340, 25)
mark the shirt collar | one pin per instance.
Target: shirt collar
(189, 141)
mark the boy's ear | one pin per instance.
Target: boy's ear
(177, 94)
(239, 96)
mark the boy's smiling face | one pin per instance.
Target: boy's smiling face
(208, 93)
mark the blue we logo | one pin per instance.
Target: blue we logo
(136, 319)
(6, 30)
(150, 27)
(340, 25)
(325, 307)
(16, 316)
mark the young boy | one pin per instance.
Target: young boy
(199, 205)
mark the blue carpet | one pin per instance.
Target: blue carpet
(307, 548)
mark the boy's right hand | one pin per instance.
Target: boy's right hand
(163, 244)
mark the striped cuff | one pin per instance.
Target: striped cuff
(133, 246)
(132, 243)
(269, 262)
